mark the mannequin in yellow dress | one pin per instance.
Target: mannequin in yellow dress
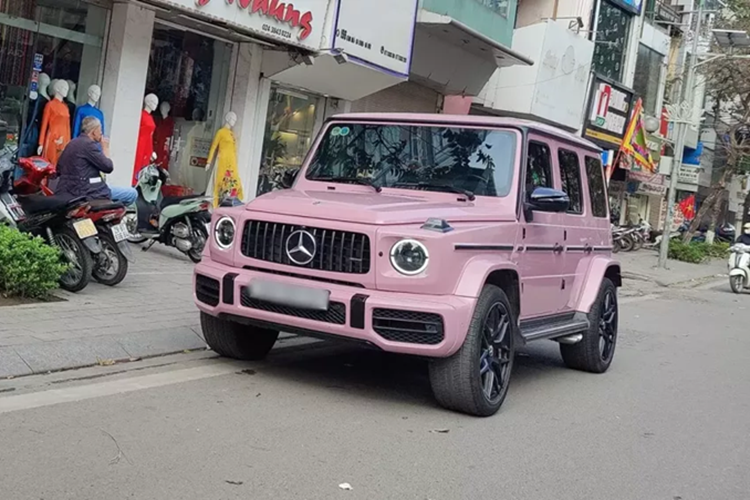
(225, 178)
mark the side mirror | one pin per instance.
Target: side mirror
(288, 177)
(544, 199)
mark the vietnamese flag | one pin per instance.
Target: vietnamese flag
(687, 207)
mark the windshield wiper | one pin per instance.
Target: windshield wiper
(354, 180)
(444, 187)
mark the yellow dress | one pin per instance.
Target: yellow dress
(226, 179)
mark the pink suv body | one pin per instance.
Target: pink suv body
(424, 235)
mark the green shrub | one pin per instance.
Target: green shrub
(696, 252)
(28, 266)
(719, 250)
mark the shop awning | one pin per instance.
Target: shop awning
(335, 75)
(453, 58)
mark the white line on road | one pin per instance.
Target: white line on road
(82, 392)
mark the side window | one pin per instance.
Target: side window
(597, 191)
(539, 167)
(570, 173)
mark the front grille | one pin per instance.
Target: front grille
(207, 290)
(337, 251)
(410, 327)
(335, 314)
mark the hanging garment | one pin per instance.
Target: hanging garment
(226, 179)
(72, 112)
(84, 112)
(145, 144)
(54, 133)
(33, 124)
(163, 141)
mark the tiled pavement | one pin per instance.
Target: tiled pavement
(152, 313)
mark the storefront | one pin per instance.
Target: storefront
(42, 41)
(614, 22)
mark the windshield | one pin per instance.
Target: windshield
(450, 159)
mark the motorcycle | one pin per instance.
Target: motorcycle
(739, 267)
(178, 221)
(59, 221)
(110, 265)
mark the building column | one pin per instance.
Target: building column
(124, 84)
(251, 107)
(91, 58)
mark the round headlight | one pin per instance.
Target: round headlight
(409, 257)
(224, 233)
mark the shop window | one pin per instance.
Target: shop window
(288, 136)
(41, 43)
(612, 30)
(539, 167)
(597, 189)
(570, 173)
(647, 77)
(188, 72)
(499, 6)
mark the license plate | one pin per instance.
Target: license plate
(120, 232)
(85, 228)
(290, 295)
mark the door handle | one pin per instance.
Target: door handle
(558, 248)
(588, 249)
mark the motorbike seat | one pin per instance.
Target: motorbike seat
(35, 203)
(104, 205)
(174, 200)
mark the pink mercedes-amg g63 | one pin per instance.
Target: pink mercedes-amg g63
(455, 238)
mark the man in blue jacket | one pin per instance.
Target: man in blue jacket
(82, 163)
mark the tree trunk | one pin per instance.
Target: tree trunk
(709, 205)
(745, 216)
(714, 221)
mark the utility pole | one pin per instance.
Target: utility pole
(682, 117)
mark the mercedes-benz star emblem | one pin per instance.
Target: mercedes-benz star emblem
(301, 247)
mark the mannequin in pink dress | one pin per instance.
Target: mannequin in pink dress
(145, 136)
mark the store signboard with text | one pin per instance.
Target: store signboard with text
(379, 33)
(296, 23)
(609, 110)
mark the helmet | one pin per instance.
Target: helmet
(746, 228)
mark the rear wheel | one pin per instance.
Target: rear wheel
(475, 380)
(595, 351)
(737, 283)
(110, 266)
(233, 340)
(75, 253)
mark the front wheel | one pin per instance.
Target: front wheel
(131, 223)
(475, 380)
(78, 257)
(111, 265)
(199, 237)
(737, 283)
(233, 340)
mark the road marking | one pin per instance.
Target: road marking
(82, 392)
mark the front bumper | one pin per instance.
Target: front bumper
(355, 304)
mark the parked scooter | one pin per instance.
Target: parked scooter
(178, 221)
(110, 265)
(739, 267)
(59, 221)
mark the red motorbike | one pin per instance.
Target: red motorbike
(111, 263)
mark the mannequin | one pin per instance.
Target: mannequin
(89, 109)
(34, 120)
(145, 136)
(163, 135)
(54, 134)
(70, 100)
(226, 179)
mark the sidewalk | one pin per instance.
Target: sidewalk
(641, 267)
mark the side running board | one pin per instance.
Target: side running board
(566, 328)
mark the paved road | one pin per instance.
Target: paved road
(670, 420)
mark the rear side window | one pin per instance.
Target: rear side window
(570, 173)
(539, 167)
(597, 191)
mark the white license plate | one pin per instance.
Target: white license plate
(290, 295)
(85, 228)
(120, 232)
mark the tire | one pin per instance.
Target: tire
(78, 256)
(588, 355)
(233, 340)
(110, 254)
(199, 235)
(459, 382)
(131, 221)
(737, 283)
(627, 243)
(638, 241)
(616, 246)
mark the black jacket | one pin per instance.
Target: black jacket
(744, 239)
(81, 161)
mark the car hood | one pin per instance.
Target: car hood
(378, 208)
